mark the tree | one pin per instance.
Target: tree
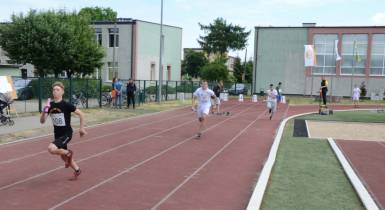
(249, 72)
(238, 70)
(215, 71)
(193, 63)
(221, 37)
(53, 42)
(98, 13)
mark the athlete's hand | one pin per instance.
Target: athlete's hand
(82, 132)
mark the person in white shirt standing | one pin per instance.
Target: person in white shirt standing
(271, 100)
(203, 95)
(356, 95)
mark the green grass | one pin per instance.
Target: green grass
(349, 116)
(307, 175)
(301, 100)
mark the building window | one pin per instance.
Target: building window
(377, 64)
(324, 46)
(113, 33)
(99, 36)
(112, 70)
(168, 72)
(152, 72)
(354, 48)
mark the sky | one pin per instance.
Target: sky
(246, 13)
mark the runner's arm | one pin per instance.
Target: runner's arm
(43, 117)
(80, 114)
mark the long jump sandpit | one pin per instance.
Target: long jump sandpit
(346, 130)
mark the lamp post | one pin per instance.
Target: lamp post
(161, 55)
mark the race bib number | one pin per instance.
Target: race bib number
(58, 119)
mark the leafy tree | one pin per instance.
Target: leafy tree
(249, 72)
(221, 37)
(98, 13)
(215, 71)
(238, 70)
(193, 63)
(53, 41)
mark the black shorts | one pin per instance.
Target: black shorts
(62, 141)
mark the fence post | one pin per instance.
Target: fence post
(70, 89)
(87, 93)
(156, 88)
(176, 90)
(100, 92)
(144, 90)
(192, 89)
(39, 90)
(166, 90)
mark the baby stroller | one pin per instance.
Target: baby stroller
(5, 117)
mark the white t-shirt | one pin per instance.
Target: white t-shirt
(204, 96)
(356, 92)
(272, 95)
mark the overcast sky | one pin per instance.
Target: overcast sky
(246, 13)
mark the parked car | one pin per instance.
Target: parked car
(23, 89)
(237, 89)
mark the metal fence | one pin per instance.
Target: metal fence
(87, 93)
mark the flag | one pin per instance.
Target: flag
(310, 57)
(357, 57)
(338, 57)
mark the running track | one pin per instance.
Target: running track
(150, 162)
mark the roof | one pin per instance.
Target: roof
(256, 27)
(127, 21)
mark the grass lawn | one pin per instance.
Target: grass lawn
(349, 116)
(301, 100)
(307, 175)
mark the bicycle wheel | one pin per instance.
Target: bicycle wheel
(104, 100)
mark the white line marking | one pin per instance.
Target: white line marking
(307, 129)
(100, 137)
(362, 192)
(37, 138)
(205, 163)
(138, 164)
(101, 153)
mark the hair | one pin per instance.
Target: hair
(202, 81)
(271, 85)
(59, 84)
(279, 83)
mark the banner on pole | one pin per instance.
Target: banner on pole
(310, 59)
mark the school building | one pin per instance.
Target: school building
(279, 57)
(132, 49)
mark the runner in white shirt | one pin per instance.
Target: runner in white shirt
(356, 96)
(271, 100)
(203, 95)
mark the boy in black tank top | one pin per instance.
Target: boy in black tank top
(60, 112)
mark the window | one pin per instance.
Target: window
(112, 70)
(99, 36)
(377, 64)
(168, 72)
(324, 46)
(152, 73)
(113, 33)
(354, 48)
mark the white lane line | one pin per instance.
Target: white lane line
(307, 129)
(139, 164)
(362, 192)
(94, 138)
(205, 163)
(96, 155)
(38, 138)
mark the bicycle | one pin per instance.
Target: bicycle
(79, 99)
